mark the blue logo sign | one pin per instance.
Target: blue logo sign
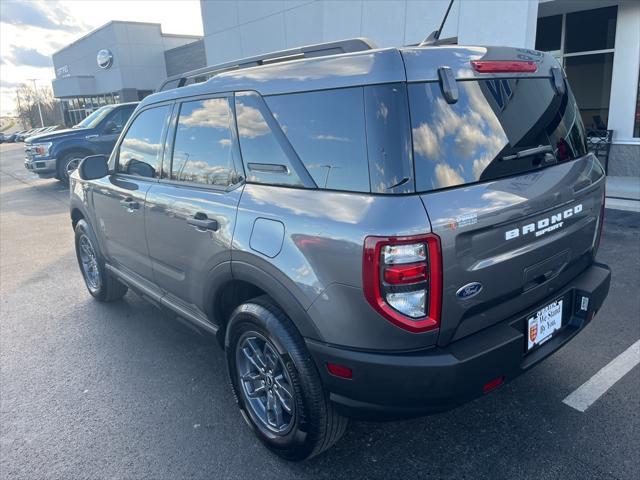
(469, 290)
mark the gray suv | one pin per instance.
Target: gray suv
(371, 233)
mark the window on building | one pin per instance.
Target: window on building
(139, 152)
(327, 131)
(591, 30)
(549, 33)
(265, 159)
(203, 147)
(590, 80)
(585, 47)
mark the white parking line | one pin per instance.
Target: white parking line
(590, 391)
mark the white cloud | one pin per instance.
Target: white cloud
(426, 142)
(447, 176)
(47, 26)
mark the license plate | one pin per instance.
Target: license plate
(542, 325)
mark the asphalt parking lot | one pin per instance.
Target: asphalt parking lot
(124, 391)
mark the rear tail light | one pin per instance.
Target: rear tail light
(402, 279)
(503, 66)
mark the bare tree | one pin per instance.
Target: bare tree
(27, 106)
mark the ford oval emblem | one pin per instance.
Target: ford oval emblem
(469, 290)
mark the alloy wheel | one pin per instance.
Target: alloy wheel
(71, 166)
(265, 383)
(89, 261)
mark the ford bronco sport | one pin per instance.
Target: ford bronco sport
(369, 232)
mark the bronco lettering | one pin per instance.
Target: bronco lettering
(544, 225)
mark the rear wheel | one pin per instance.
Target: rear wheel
(276, 383)
(67, 164)
(101, 283)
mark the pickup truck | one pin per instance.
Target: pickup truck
(56, 154)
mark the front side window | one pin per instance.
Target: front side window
(265, 159)
(139, 152)
(202, 151)
(119, 118)
(477, 138)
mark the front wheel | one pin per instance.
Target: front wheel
(99, 281)
(67, 164)
(276, 384)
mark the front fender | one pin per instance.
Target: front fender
(67, 145)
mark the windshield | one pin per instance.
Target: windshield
(497, 128)
(95, 118)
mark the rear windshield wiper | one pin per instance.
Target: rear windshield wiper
(546, 150)
(531, 152)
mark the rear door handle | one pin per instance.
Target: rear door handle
(202, 222)
(130, 204)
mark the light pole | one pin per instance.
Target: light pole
(35, 88)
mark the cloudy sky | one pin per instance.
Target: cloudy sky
(31, 30)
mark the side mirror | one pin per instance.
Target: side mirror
(93, 167)
(111, 127)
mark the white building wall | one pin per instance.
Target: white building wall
(235, 29)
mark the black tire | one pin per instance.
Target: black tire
(315, 426)
(71, 158)
(104, 286)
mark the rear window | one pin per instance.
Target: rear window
(477, 138)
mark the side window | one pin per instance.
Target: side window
(139, 152)
(119, 118)
(327, 131)
(265, 160)
(202, 151)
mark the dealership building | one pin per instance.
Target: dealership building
(597, 42)
(119, 62)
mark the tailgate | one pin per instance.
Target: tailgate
(506, 180)
(513, 241)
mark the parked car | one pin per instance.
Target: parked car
(12, 138)
(2, 138)
(378, 233)
(55, 154)
(21, 136)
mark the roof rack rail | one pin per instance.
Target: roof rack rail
(309, 51)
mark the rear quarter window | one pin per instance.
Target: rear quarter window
(351, 139)
(466, 142)
(327, 131)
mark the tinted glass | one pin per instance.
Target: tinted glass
(120, 116)
(388, 139)
(263, 154)
(139, 152)
(327, 131)
(468, 141)
(202, 151)
(590, 78)
(549, 33)
(96, 117)
(590, 30)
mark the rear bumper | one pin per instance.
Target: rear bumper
(44, 167)
(438, 379)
